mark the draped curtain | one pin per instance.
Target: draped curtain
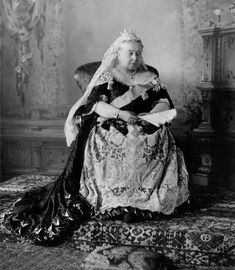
(20, 17)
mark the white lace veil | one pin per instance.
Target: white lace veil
(109, 61)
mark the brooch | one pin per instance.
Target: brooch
(144, 96)
(103, 98)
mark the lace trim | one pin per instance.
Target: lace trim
(105, 77)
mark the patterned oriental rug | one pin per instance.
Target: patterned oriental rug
(18, 256)
(201, 236)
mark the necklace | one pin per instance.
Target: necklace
(129, 75)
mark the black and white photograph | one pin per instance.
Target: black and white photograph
(117, 134)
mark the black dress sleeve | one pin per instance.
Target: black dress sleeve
(98, 93)
(162, 93)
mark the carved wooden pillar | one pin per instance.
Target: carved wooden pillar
(215, 137)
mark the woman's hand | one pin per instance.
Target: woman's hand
(127, 116)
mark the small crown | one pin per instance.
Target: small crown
(130, 34)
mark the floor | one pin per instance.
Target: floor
(16, 256)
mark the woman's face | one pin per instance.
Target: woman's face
(130, 55)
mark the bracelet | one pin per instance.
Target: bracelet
(116, 113)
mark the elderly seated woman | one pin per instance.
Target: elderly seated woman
(120, 166)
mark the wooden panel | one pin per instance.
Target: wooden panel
(54, 157)
(33, 147)
(228, 59)
(17, 154)
(36, 154)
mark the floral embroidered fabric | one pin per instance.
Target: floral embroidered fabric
(143, 171)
